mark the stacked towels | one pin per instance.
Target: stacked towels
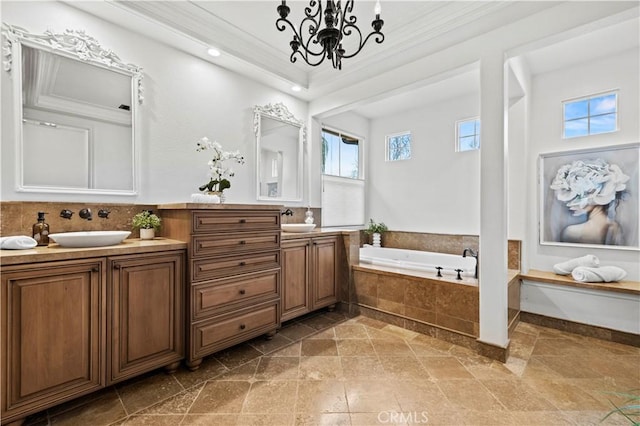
(587, 269)
(21, 242)
(205, 198)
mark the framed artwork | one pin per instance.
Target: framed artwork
(590, 197)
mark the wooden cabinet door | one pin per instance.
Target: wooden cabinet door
(324, 271)
(146, 313)
(53, 334)
(295, 277)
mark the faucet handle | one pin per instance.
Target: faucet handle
(66, 214)
(458, 271)
(104, 213)
(439, 269)
(85, 214)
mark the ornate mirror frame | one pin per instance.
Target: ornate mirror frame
(77, 45)
(279, 112)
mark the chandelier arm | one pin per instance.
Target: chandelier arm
(379, 38)
(293, 58)
(313, 31)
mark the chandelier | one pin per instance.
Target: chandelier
(326, 42)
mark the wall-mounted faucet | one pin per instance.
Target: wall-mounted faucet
(86, 214)
(287, 212)
(66, 214)
(475, 254)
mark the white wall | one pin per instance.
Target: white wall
(437, 190)
(186, 98)
(621, 72)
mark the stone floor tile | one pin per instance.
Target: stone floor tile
(566, 395)
(291, 350)
(391, 347)
(272, 396)
(469, 394)
(596, 418)
(209, 369)
(100, 411)
(369, 396)
(570, 367)
(237, 355)
(278, 419)
(321, 396)
(146, 391)
(400, 332)
(351, 331)
(323, 419)
(319, 347)
(222, 397)
(210, 420)
(518, 396)
(403, 367)
(277, 368)
(296, 331)
(329, 333)
(320, 322)
(320, 368)
(177, 404)
(376, 418)
(266, 346)
(445, 367)
(420, 396)
(244, 372)
(355, 347)
(154, 420)
(362, 367)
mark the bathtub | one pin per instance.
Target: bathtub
(418, 260)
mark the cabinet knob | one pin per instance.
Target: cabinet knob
(243, 291)
(243, 242)
(95, 269)
(242, 326)
(243, 220)
(243, 263)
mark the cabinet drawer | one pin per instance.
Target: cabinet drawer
(235, 220)
(209, 268)
(218, 295)
(233, 243)
(223, 331)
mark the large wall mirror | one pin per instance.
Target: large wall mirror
(75, 105)
(280, 139)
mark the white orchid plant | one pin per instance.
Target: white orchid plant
(218, 173)
(581, 184)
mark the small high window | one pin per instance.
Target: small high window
(399, 146)
(590, 115)
(468, 135)
(340, 154)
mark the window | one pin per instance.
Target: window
(340, 154)
(590, 115)
(399, 146)
(468, 135)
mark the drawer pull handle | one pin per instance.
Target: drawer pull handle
(243, 242)
(243, 263)
(242, 326)
(243, 220)
(243, 291)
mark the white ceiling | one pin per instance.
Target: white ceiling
(246, 34)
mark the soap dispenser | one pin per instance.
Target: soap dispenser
(41, 230)
(308, 216)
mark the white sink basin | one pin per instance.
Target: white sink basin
(298, 227)
(90, 238)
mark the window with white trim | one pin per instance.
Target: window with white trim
(468, 135)
(590, 115)
(340, 154)
(398, 146)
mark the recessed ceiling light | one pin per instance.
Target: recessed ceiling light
(296, 88)
(213, 52)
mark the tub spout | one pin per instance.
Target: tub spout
(475, 254)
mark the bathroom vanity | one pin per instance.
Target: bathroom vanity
(310, 273)
(233, 273)
(77, 320)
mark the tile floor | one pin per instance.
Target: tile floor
(330, 370)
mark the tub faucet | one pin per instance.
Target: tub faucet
(475, 254)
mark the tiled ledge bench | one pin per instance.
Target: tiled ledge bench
(609, 311)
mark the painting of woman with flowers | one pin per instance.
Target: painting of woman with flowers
(590, 197)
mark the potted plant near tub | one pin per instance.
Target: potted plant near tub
(147, 222)
(376, 229)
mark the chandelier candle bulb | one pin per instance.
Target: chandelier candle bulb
(377, 9)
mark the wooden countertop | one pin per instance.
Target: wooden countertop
(222, 206)
(54, 252)
(630, 287)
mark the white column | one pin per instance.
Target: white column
(493, 204)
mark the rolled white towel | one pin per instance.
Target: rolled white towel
(605, 274)
(565, 268)
(205, 198)
(21, 242)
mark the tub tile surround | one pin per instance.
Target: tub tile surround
(18, 217)
(553, 377)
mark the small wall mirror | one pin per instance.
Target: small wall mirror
(75, 108)
(280, 139)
